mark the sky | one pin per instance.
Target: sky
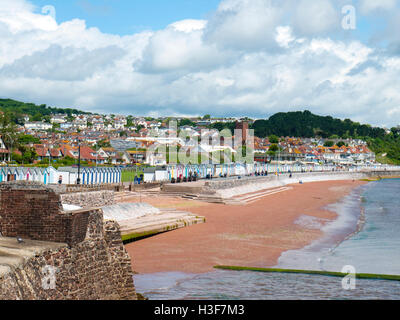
(190, 58)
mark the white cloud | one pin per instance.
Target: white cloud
(189, 25)
(369, 6)
(244, 24)
(316, 17)
(250, 58)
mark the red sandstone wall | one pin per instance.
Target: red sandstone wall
(93, 264)
(99, 268)
(34, 212)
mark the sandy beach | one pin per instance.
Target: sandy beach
(254, 235)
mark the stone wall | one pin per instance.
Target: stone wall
(90, 199)
(33, 211)
(98, 268)
(90, 258)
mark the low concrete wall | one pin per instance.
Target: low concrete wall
(232, 187)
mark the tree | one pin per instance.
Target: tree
(340, 144)
(8, 130)
(27, 139)
(102, 144)
(329, 143)
(139, 127)
(186, 122)
(207, 117)
(273, 139)
(273, 148)
(37, 117)
(129, 122)
(17, 157)
(28, 154)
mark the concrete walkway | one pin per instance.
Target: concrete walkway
(14, 254)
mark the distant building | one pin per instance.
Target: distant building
(38, 125)
(244, 127)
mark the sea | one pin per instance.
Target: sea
(365, 238)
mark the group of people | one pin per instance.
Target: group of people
(192, 177)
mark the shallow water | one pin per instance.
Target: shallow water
(235, 285)
(370, 247)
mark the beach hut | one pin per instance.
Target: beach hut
(3, 175)
(112, 175)
(26, 174)
(10, 174)
(102, 175)
(85, 175)
(149, 174)
(18, 174)
(53, 175)
(45, 176)
(106, 172)
(95, 175)
(90, 177)
(33, 174)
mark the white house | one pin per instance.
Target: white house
(38, 125)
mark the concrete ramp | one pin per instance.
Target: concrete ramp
(140, 220)
(128, 211)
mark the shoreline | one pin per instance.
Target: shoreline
(255, 235)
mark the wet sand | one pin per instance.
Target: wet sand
(254, 235)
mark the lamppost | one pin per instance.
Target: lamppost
(78, 181)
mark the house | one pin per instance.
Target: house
(66, 125)
(133, 157)
(38, 125)
(110, 155)
(58, 118)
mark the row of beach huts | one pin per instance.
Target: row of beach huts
(62, 175)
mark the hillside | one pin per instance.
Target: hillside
(305, 124)
(308, 125)
(16, 110)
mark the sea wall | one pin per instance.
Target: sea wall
(89, 199)
(234, 186)
(85, 252)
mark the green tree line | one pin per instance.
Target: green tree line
(16, 110)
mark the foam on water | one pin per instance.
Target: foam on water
(314, 255)
(370, 220)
